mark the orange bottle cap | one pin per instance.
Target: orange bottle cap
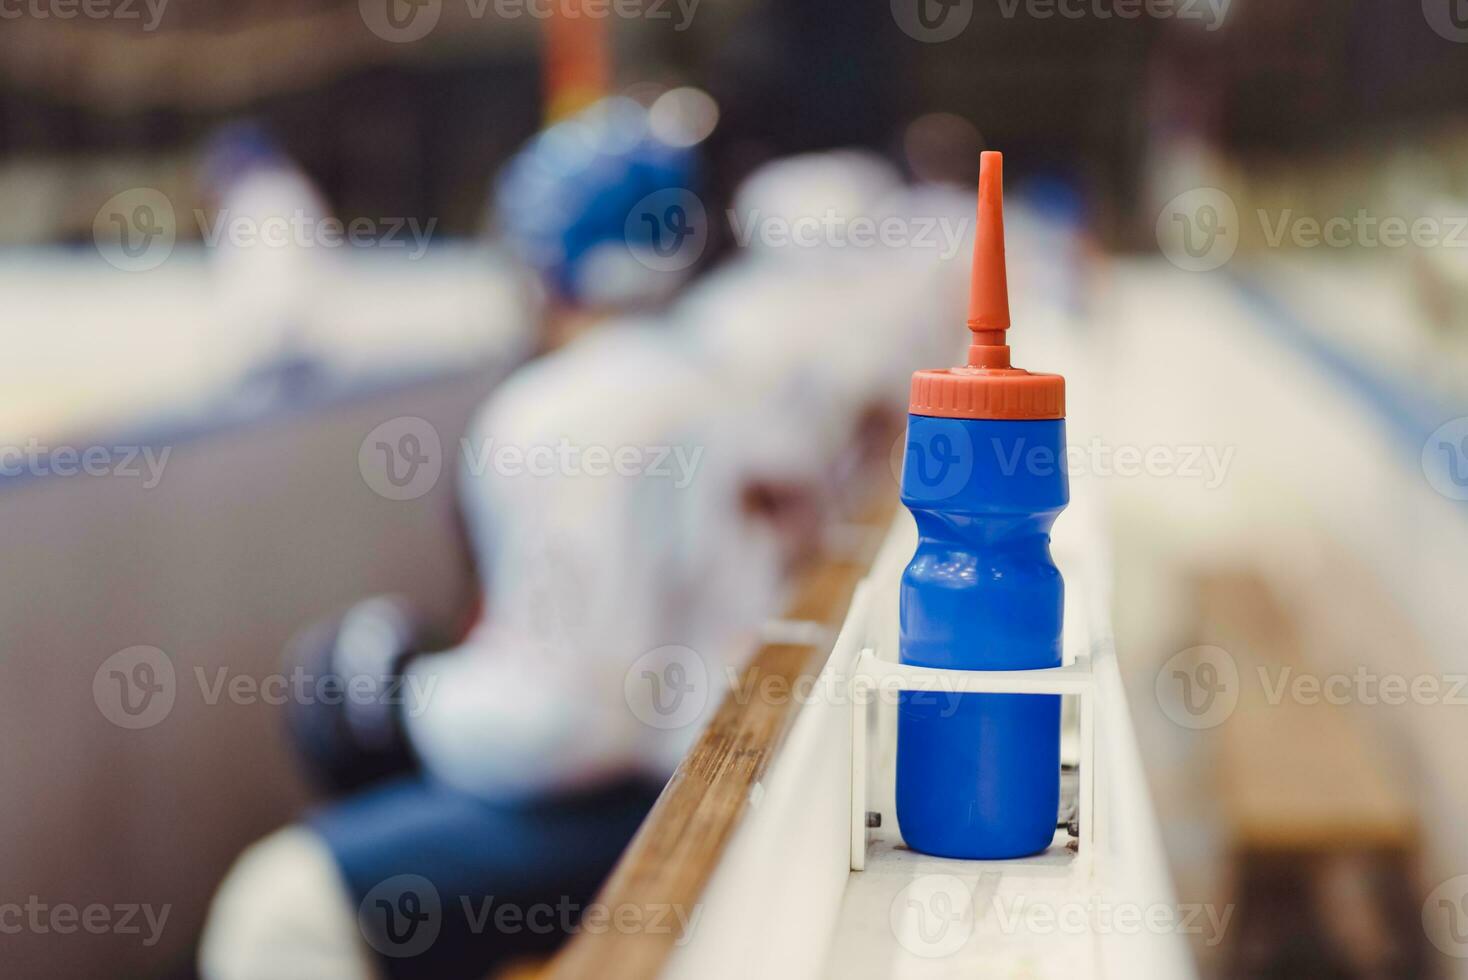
(988, 387)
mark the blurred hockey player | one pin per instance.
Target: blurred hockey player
(608, 493)
(262, 234)
(570, 205)
(626, 552)
(827, 309)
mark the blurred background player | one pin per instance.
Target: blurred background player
(819, 314)
(568, 207)
(538, 758)
(268, 263)
(538, 764)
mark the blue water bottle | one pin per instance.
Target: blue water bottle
(978, 775)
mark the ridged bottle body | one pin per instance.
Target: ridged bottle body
(978, 775)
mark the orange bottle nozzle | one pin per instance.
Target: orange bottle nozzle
(989, 386)
(988, 305)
